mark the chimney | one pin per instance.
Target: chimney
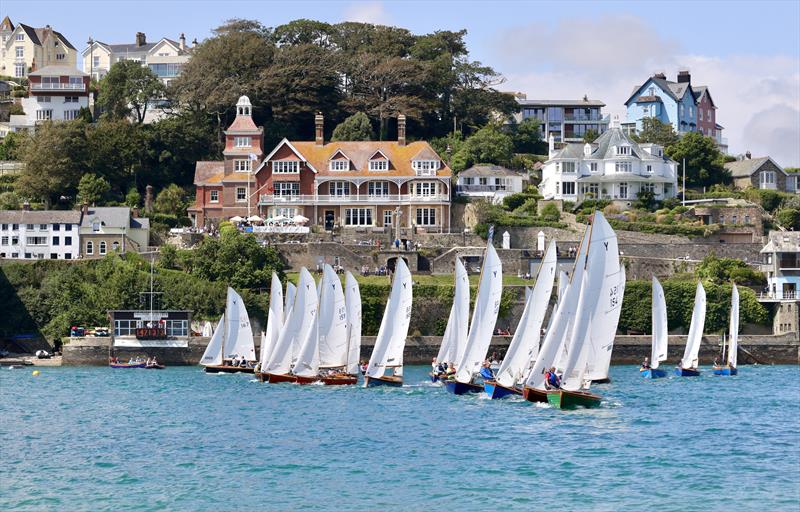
(551, 142)
(135, 212)
(85, 209)
(660, 75)
(319, 129)
(684, 77)
(26, 206)
(141, 40)
(182, 39)
(148, 199)
(748, 155)
(194, 42)
(401, 130)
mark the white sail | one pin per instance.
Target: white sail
(208, 329)
(296, 327)
(695, 337)
(601, 257)
(605, 318)
(733, 333)
(353, 304)
(239, 335)
(455, 334)
(659, 350)
(274, 320)
(291, 293)
(391, 339)
(487, 305)
(213, 353)
(307, 362)
(524, 346)
(555, 338)
(333, 342)
(563, 281)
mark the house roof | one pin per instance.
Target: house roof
(782, 241)
(205, 171)
(674, 90)
(6, 24)
(243, 124)
(483, 171)
(746, 167)
(58, 70)
(114, 217)
(561, 103)
(603, 148)
(700, 91)
(36, 35)
(40, 216)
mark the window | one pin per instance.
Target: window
(115, 246)
(379, 165)
(700, 113)
(103, 247)
(67, 240)
(593, 167)
(44, 115)
(649, 169)
(29, 226)
(53, 256)
(36, 240)
(289, 213)
(691, 111)
(89, 248)
(426, 216)
(681, 109)
(214, 197)
(568, 188)
(425, 167)
(242, 142)
(4, 240)
(125, 327)
(766, 179)
(42, 227)
(242, 165)
(287, 189)
(286, 167)
(71, 115)
(176, 328)
(339, 188)
(27, 255)
(70, 99)
(76, 81)
(591, 188)
(648, 187)
(67, 227)
(44, 99)
(747, 219)
(56, 240)
(19, 37)
(387, 218)
(96, 61)
(623, 150)
(358, 216)
(241, 194)
(339, 165)
(623, 167)
(56, 227)
(5, 226)
(566, 166)
(378, 188)
(20, 52)
(67, 256)
(424, 188)
(623, 190)
(60, 56)
(96, 226)
(14, 240)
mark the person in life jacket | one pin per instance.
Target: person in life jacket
(551, 380)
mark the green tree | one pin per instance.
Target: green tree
(655, 132)
(488, 145)
(355, 127)
(704, 162)
(116, 150)
(16, 110)
(725, 270)
(646, 200)
(789, 218)
(168, 256)
(133, 198)
(237, 260)
(92, 188)
(590, 136)
(527, 136)
(550, 213)
(9, 201)
(171, 200)
(128, 88)
(10, 145)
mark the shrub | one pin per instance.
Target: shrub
(789, 218)
(550, 213)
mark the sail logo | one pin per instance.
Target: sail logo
(606, 245)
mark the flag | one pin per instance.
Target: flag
(253, 156)
(491, 233)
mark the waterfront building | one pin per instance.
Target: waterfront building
(739, 221)
(489, 182)
(763, 173)
(108, 229)
(165, 57)
(781, 264)
(28, 234)
(24, 49)
(55, 93)
(565, 120)
(357, 185)
(614, 167)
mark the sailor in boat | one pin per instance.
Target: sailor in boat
(435, 366)
(450, 372)
(364, 366)
(551, 379)
(486, 371)
(646, 363)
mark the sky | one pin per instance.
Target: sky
(747, 53)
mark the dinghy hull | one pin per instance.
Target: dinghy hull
(262, 377)
(562, 399)
(534, 395)
(340, 380)
(121, 366)
(687, 372)
(653, 373)
(227, 369)
(434, 377)
(277, 379)
(495, 390)
(306, 380)
(371, 382)
(459, 388)
(607, 380)
(725, 371)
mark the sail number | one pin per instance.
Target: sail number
(613, 297)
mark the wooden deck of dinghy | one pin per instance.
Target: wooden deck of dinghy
(343, 379)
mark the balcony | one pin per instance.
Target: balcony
(269, 199)
(583, 119)
(778, 296)
(466, 189)
(38, 86)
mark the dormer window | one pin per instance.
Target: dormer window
(243, 142)
(380, 164)
(623, 150)
(339, 165)
(95, 226)
(425, 167)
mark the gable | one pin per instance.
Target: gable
(164, 46)
(378, 155)
(643, 90)
(339, 155)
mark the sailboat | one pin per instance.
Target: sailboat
(604, 328)
(524, 346)
(487, 305)
(232, 338)
(348, 373)
(274, 321)
(658, 353)
(455, 334)
(602, 260)
(291, 292)
(391, 340)
(208, 330)
(733, 339)
(687, 367)
(294, 332)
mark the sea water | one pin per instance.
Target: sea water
(179, 439)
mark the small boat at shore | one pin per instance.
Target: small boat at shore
(154, 366)
(455, 334)
(232, 339)
(687, 367)
(732, 341)
(120, 366)
(387, 353)
(658, 351)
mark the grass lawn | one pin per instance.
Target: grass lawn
(425, 279)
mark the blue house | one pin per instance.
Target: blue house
(669, 102)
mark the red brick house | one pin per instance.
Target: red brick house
(352, 185)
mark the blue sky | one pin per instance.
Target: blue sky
(748, 53)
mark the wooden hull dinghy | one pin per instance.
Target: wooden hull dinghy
(343, 379)
(563, 399)
(687, 372)
(306, 380)
(495, 390)
(273, 378)
(222, 368)
(392, 381)
(460, 388)
(262, 377)
(534, 395)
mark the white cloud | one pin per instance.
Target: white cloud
(367, 12)
(758, 97)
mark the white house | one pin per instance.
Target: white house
(488, 182)
(165, 57)
(51, 234)
(612, 167)
(55, 93)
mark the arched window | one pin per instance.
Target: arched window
(102, 247)
(115, 246)
(89, 247)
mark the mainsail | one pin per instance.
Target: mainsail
(353, 304)
(391, 339)
(695, 336)
(238, 335)
(296, 327)
(291, 293)
(524, 346)
(606, 318)
(274, 320)
(733, 332)
(487, 305)
(659, 351)
(455, 334)
(332, 320)
(213, 354)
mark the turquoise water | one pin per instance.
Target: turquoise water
(101, 439)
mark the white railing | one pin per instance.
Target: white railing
(352, 199)
(36, 86)
(778, 296)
